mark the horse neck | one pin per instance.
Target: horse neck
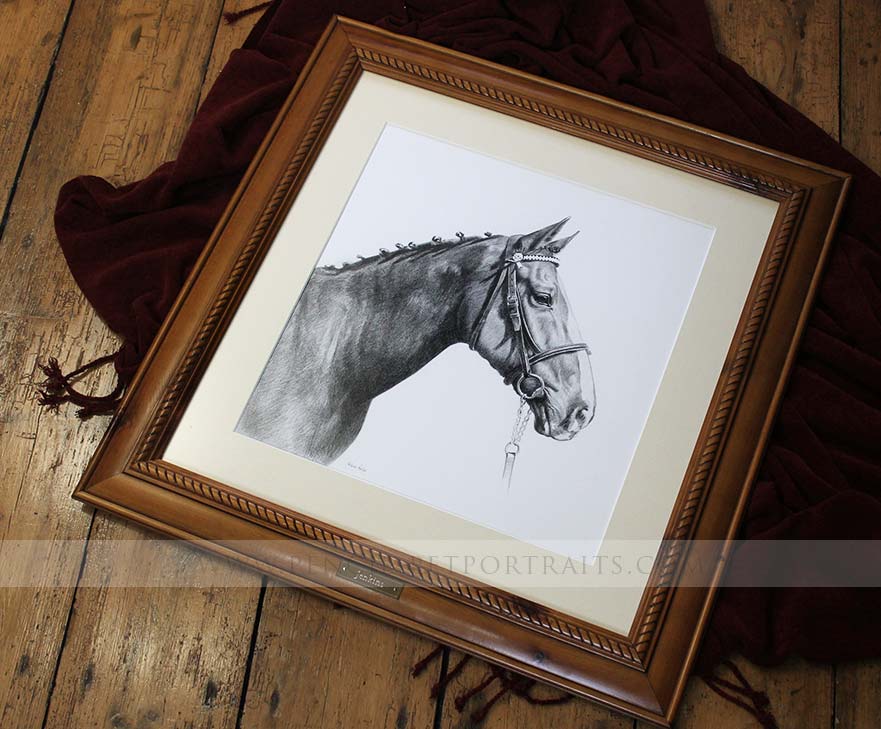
(408, 312)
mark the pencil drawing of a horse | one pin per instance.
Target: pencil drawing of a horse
(361, 329)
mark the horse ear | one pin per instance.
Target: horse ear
(541, 238)
(558, 245)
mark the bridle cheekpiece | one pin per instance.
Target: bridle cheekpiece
(527, 384)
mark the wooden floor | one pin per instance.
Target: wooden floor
(108, 87)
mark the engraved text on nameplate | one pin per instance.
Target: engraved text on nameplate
(367, 577)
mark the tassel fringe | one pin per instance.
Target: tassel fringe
(58, 389)
(742, 694)
(234, 17)
(420, 666)
(509, 682)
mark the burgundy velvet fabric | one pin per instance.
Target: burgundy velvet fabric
(130, 250)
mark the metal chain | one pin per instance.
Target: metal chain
(521, 420)
(524, 414)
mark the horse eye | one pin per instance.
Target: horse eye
(543, 299)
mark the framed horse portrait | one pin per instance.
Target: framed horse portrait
(483, 356)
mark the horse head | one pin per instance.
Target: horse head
(523, 326)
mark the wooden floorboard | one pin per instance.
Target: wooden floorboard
(108, 89)
(171, 657)
(316, 665)
(861, 80)
(791, 47)
(27, 57)
(127, 78)
(159, 637)
(858, 695)
(41, 457)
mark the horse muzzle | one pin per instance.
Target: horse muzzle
(576, 421)
(565, 428)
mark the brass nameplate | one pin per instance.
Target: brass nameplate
(367, 577)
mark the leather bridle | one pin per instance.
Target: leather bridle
(527, 383)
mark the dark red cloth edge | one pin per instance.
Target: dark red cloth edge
(130, 249)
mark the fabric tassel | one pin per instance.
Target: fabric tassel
(480, 714)
(520, 686)
(233, 17)
(465, 697)
(421, 665)
(442, 682)
(450, 675)
(742, 694)
(58, 389)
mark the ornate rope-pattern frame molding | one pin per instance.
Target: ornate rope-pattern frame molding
(587, 127)
(128, 474)
(686, 511)
(682, 519)
(648, 619)
(414, 571)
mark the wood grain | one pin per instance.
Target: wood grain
(126, 84)
(861, 80)
(93, 121)
(316, 665)
(129, 477)
(127, 78)
(159, 637)
(26, 58)
(41, 456)
(858, 695)
(185, 649)
(790, 46)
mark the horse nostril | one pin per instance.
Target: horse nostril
(583, 416)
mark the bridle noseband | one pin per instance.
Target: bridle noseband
(527, 384)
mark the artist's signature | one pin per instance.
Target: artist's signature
(356, 467)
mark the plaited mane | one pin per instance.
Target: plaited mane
(406, 251)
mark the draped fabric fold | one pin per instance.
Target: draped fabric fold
(130, 249)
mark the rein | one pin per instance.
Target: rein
(527, 384)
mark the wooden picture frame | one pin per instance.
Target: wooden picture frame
(641, 672)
